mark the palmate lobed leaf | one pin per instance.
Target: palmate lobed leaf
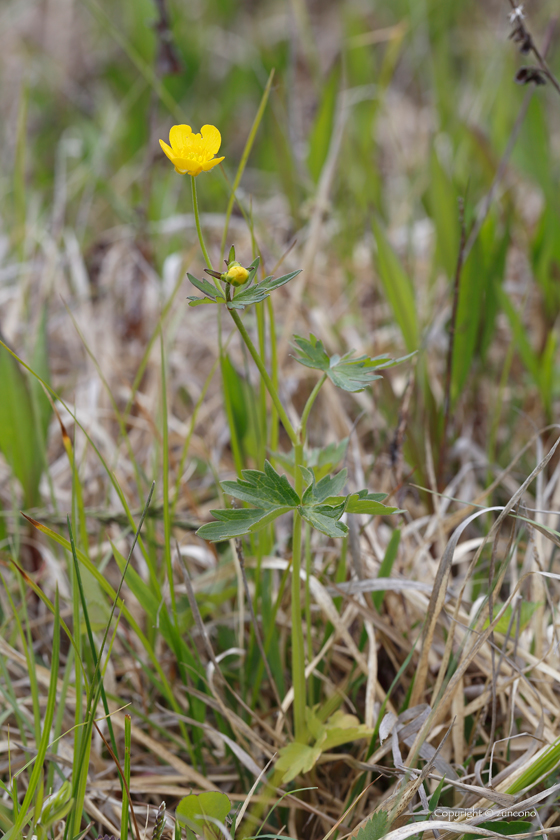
(272, 495)
(318, 492)
(325, 519)
(345, 372)
(238, 522)
(262, 489)
(339, 729)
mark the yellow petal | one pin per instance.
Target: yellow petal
(167, 149)
(212, 139)
(191, 167)
(179, 136)
(211, 164)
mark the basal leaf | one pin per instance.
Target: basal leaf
(296, 758)
(342, 728)
(192, 810)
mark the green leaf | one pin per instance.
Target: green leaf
(204, 286)
(263, 489)
(325, 519)
(197, 301)
(192, 810)
(261, 291)
(375, 828)
(343, 371)
(398, 288)
(238, 522)
(252, 271)
(319, 492)
(342, 728)
(296, 758)
(322, 460)
(368, 503)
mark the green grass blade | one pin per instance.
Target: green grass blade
(398, 288)
(36, 774)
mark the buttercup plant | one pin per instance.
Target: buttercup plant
(319, 501)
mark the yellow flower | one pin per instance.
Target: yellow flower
(193, 153)
(236, 274)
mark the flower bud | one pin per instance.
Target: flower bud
(236, 274)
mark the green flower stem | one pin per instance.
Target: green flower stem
(197, 220)
(298, 652)
(290, 431)
(199, 232)
(309, 405)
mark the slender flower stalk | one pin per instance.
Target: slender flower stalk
(198, 227)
